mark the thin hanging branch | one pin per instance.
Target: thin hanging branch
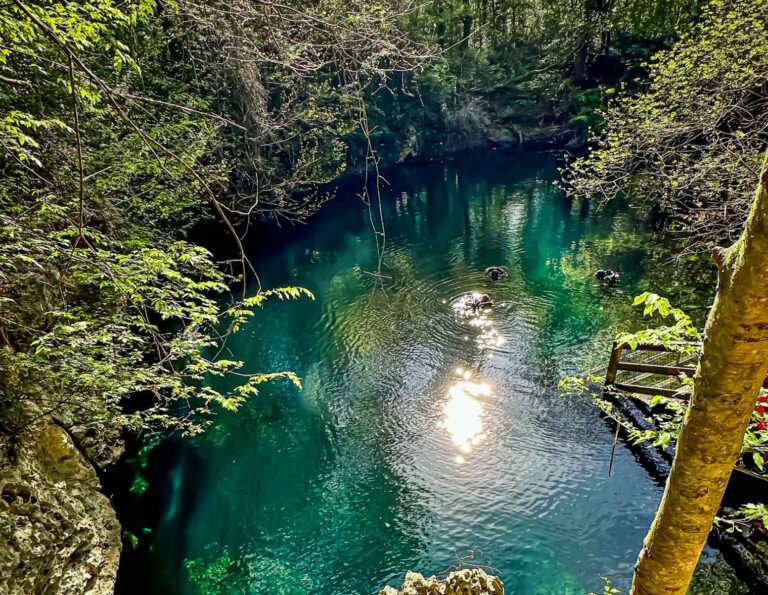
(78, 137)
(379, 232)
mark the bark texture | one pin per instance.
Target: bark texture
(732, 368)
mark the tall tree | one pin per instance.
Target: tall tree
(733, 365)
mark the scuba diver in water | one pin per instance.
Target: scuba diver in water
(479, 301)
(608, 276)
(496, 273)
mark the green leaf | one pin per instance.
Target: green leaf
(640, 299)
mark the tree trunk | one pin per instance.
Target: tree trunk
(440, 28)
(580, 62)
(581, 54)
(604, 9)
(733, 366)
(466, 25)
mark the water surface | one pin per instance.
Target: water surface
(423, 438)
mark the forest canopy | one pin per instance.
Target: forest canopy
(690, 144)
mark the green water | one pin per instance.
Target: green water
(422, 438)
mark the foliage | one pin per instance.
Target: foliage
(667, 421)
(577, 384)
(689, 144)
(756, 438)
(119, 331)
(668, 413)
(587, 104)
(744, 517)
(668, 416)
(499, 29)
(506, 69)
(120, 128)
(676, 337)
(298, 75)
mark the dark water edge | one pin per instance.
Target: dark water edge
(235, 531)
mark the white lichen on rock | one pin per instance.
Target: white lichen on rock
(473, 581)
(58, 532)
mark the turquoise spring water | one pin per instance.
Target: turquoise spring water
(423, 438)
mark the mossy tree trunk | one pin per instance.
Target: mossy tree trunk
(733, 365)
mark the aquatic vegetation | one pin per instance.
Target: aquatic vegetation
(220, 576)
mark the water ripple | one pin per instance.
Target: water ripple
(428, 431)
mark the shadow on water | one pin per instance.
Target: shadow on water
(158, 518)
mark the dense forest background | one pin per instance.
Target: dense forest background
(126, 125)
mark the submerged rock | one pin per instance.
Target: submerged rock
(473, 581)
(58, 533)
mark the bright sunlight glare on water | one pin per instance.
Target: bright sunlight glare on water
(464, 411)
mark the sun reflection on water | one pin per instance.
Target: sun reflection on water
(464, 412)
(471, 306)
(488, 337)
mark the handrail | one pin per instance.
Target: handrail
(656, 369)
(615, 364)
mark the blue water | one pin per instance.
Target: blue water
(424, 437)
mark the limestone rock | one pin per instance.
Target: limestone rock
(103, 446)
(473, 581)
(58, 533)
